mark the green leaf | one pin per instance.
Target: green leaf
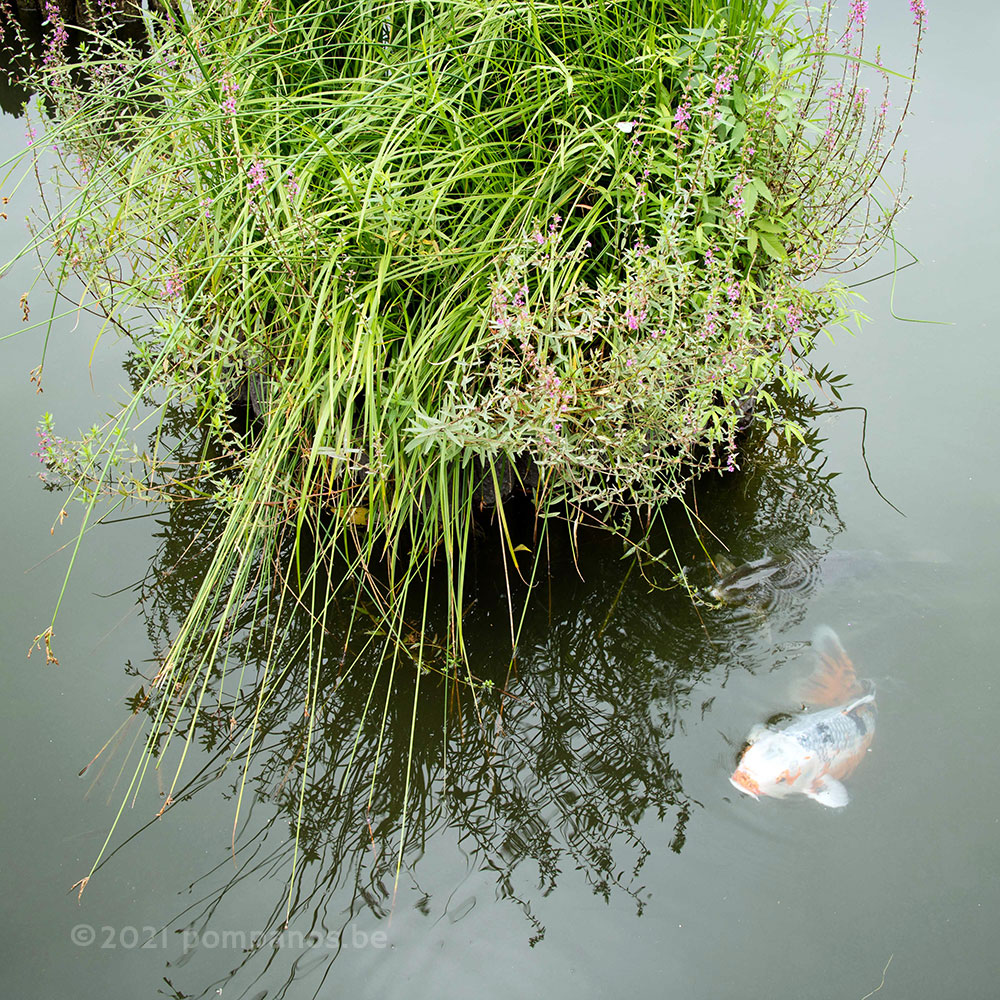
(771, 246)
(761, 188)
(793, 430)
(752, 241)
(739, 131)
(770, 226)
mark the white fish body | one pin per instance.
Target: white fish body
(813, 753)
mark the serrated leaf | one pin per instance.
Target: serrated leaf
(752, 241)
(749, 200)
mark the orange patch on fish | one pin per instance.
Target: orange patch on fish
(846, 764)
(743, 780)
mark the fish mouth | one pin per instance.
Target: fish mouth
(741, 780)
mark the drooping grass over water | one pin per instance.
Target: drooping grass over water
(442, 250)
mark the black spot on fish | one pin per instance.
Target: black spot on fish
(779, 719)
(861, 724)
(824, 732)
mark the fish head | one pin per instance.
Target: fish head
(745, 782)
(774, 766)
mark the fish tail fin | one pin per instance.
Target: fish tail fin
(834, 680)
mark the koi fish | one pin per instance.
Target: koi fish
(816, 750)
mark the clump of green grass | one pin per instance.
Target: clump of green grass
(441, 243)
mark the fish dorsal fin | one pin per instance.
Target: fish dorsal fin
(865, 699)
(833, 681)
(829, 792)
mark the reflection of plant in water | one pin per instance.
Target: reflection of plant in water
(786, 542)
(505, 751)
(545, 771)
(792, 489)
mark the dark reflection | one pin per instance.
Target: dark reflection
(21, 35)
(772, 532)
(542, 768)
(26, 32)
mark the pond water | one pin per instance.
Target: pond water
(595, 846)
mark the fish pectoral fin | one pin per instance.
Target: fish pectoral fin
(828, 792)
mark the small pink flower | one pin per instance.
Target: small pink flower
(172, 287)
(257, 174)
(794, 317)
(55, 48)
(229, 88)
(726, 80)
(632, 320)
(681, 117)
(736, 201)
